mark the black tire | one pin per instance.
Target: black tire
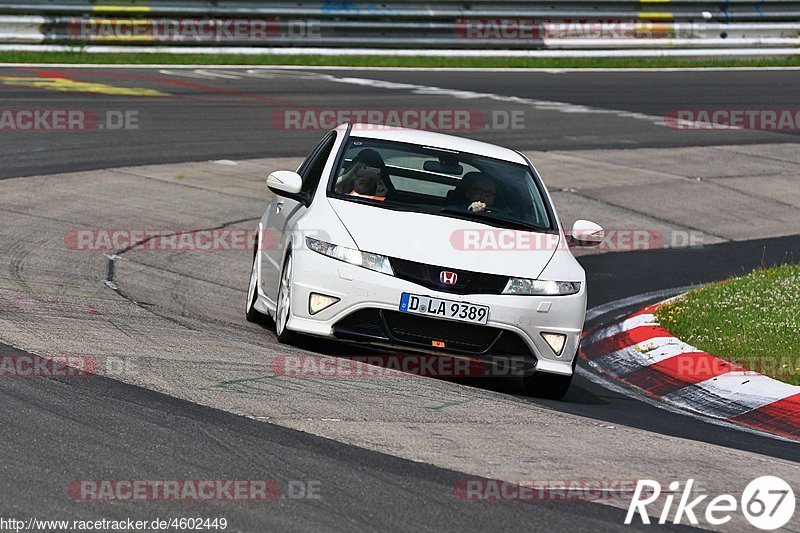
(251, 313)
(283, 306)
(550, 386)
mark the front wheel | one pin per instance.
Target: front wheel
(251, 313)
(283, 308)
(550, 386)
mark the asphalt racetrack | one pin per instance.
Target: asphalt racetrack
(191, 147)
(201, 114)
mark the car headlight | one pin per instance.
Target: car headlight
(378, 263)
(537, 287)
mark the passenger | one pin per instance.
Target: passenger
(367, 177)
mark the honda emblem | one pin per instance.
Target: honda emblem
(448, 278)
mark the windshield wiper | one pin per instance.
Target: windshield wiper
(492, 219)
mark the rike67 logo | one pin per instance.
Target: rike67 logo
(767, 503)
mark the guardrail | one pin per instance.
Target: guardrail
(687, 10)
(411, 24)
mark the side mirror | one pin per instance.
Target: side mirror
(287, 183)
(586, 233)
(284, 181)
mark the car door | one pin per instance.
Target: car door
(284, 211)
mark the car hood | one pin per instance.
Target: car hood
(445, 241)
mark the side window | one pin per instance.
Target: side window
(311, 171)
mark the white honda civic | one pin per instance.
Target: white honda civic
(427, 243)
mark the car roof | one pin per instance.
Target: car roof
(435, 140)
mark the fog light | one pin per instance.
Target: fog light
(556, 341)
(320, 302)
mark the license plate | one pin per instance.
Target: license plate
(438, 308)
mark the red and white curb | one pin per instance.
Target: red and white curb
(641, 353)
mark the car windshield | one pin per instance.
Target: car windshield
(430, 180)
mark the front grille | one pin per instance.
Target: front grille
(455, 335)
(407, 329)
(510, 343)
(364, 322)
(467, 282)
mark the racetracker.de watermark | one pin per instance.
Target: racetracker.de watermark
(396, 366)
(544, 489)
(199, 30)
(178, 240)
(777, 366)
(142, 490)
(538, 29)
(67, 120)
(615, 240)
(165, 240)
(304, 119)
(55, 366)
(776, 119)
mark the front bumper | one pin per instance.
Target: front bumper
(515, 322)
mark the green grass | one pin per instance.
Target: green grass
(385, 61)
(753, 321)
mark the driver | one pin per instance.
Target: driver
(480, 193)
